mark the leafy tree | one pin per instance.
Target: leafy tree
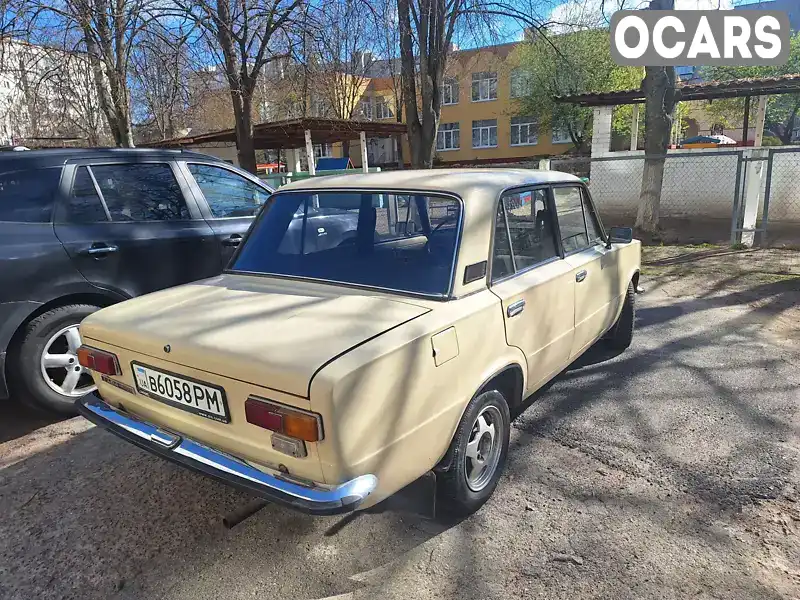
(572, 63)
(783, 111)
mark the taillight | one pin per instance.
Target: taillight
(97, 360)
(291, 422)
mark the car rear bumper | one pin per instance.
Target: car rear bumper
(228, 469)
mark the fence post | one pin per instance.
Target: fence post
(755, 170)
(736, 190)
(767, 193)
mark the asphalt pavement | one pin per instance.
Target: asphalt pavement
(667, 471)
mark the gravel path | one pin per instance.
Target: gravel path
(669, 471)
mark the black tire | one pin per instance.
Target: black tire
(455, 496)
(620, 336)
(25, 372)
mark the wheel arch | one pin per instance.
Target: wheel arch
(509, 380)
(99, 298)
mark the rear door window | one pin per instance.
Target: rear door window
(141, 192)
(228, 194)
(83, 203)
(531, 227)
(26, 195)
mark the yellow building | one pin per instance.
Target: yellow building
(479, 118)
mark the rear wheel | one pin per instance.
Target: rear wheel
(620, 336)
(45, 372)
(479, 450)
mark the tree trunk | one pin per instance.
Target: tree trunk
(243, 116)
(786, 138)
(660, 100)
(661, 97)
(398, 140)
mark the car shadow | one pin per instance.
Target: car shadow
(101, 517)
(17, 420)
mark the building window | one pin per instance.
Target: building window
(561, 135)
(448, 137)
(323, 150)
(450, 91)
(524, 131)
(383, 108)
(520, 83)
(366, 109)
(484, 133)
(484, 86)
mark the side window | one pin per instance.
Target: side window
(83, 204)
(141, 192)
(502, 263)
(570, 218)
(592, 226)
(531, 227)
(26, 196)
(228, 194)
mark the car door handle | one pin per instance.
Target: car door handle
(234, 240)
(98, 250)
(580, 276)
(514, 309)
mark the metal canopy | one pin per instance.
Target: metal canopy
(291, 133)
(710, 90)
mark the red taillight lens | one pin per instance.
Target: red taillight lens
(97, 360)
(296, 424)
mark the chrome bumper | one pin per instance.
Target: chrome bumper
(198, 457)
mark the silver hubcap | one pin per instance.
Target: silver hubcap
(483, 448)
(59, 364)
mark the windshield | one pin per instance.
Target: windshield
(400, 242)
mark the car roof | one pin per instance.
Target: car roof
(52, 157)
(462, 182)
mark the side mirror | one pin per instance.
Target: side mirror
(620, 235)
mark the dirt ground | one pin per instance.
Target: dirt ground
(671, 470)
(766, 279)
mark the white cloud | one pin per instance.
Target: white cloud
(577, 14)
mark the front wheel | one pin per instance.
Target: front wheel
(45, 371)
(620, 336)
(479, 450)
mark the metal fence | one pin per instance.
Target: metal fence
(725, 196)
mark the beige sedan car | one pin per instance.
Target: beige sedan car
(371, 329)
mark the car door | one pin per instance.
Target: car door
(593, 266)
(128, 227)
(228, 200)
(535, 284)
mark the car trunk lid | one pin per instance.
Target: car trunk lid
(266, 331)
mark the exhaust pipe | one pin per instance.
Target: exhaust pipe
(232, 519)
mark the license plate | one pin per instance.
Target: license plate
(193, 396)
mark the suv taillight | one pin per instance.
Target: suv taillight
(97, 360)
(297, 424)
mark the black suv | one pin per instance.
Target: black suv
(81, 229)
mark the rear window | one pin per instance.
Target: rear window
(26, 196)
(399, 242)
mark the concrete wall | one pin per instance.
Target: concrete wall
(698, 192)
(693, 185)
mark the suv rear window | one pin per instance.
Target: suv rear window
(26, 196)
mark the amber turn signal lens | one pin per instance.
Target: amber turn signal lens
(293, 423)
(97, 360)
(300, 426)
